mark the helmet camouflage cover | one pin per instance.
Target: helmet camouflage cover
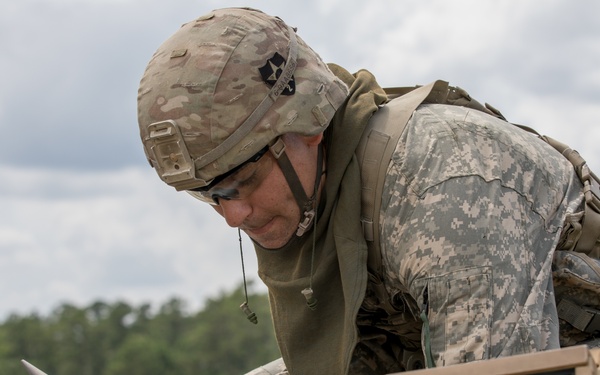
(223, 87)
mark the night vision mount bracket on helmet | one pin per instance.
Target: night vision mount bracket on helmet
(172, 159)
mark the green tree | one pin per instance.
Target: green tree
(115, 339)
(108, 330)
(142, 319)
(72, 343)
(83, 338)
(142, 355)
(27, 338)
(171, 321)
(223, 341)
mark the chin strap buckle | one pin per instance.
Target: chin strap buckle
(305, 224)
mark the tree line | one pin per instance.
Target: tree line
(120, 339)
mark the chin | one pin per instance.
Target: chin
(275, 235)
(273, 243)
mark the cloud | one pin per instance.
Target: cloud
(117, 234)
(71, 76)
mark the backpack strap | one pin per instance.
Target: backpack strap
(374, 151)
(586, 239)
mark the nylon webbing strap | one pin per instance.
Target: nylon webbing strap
(304, 202)
(290, 174)
(584, 319)
(374, 152)
(589, 241)
(376, 147)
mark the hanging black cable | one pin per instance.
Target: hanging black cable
(244, 306)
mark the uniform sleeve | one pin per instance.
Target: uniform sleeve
(472, 213)
(479, 266)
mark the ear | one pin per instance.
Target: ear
(313, 140)
(291, 139)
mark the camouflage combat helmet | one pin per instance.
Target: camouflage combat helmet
(225, 86)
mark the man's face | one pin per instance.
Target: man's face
(270, 215)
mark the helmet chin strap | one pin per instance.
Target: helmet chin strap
(307, 205)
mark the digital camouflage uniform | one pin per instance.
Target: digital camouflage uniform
(473, 209)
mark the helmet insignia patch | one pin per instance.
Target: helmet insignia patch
(271, 71)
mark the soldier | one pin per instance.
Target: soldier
(238, 111)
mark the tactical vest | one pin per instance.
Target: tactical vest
(581, 233)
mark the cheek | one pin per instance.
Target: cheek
(268, 198)
(274, 198)
(275, 192)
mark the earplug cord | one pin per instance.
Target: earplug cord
(244, 306)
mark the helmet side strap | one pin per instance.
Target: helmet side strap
(305, 203)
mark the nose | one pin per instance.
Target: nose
(235, 211)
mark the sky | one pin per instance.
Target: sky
(83, 217)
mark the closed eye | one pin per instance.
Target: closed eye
(226, 194)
